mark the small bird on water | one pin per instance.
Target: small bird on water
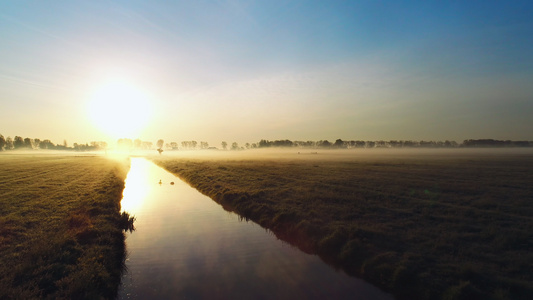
(160, 181)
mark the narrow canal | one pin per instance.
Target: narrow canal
(187, 247)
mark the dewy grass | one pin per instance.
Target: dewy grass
(61, 235)
(423, 225)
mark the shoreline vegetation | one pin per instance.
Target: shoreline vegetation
(61, 230)
(450, 224)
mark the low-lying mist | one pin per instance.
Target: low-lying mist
(293, 153)
(342, 154)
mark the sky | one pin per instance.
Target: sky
(242, 71)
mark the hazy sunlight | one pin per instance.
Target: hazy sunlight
(119, 109)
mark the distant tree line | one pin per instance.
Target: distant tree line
(19, 143)
(496, 143)
(340, 144)
(137, 144)
(144, 145)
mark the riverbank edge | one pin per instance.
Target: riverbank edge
(107, 238)
(295, 201)
(329, 245)
(81, 255)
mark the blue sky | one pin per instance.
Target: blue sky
(247, 70)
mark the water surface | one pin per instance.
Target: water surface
(187, 247)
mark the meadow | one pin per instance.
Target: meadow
(435, 224)
(61, 231)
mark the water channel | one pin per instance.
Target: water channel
(186, 246)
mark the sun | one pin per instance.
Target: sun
(119, 109)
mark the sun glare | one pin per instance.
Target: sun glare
(119, 109)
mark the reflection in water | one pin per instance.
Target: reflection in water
(136, 189)
(186, 246)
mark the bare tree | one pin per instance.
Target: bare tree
(224, 145)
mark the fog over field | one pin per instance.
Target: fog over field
(320, 154)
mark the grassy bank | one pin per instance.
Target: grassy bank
(424, 225)
(60, 227)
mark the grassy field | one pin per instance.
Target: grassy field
(454, 224)
(60, 226)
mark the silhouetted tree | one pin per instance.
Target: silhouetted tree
(339, 144)
(492, 143)
(9, 143)
(324, 144)
(395, 144)
(282, 143)
(18, 142)
(234, 146)
(360, 144)
(224, 145)
(410, 143)
(450, 143)
(427, 144)
(160, 143)
(174, 145)
(204, 145)
(95, 145)
(2, 142)
(46, 144)
(522, 144)
(28, 143)
(381, 144)
(264, 143)
(247, 145)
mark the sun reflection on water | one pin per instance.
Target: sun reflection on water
(136, 190)
(186, 246)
